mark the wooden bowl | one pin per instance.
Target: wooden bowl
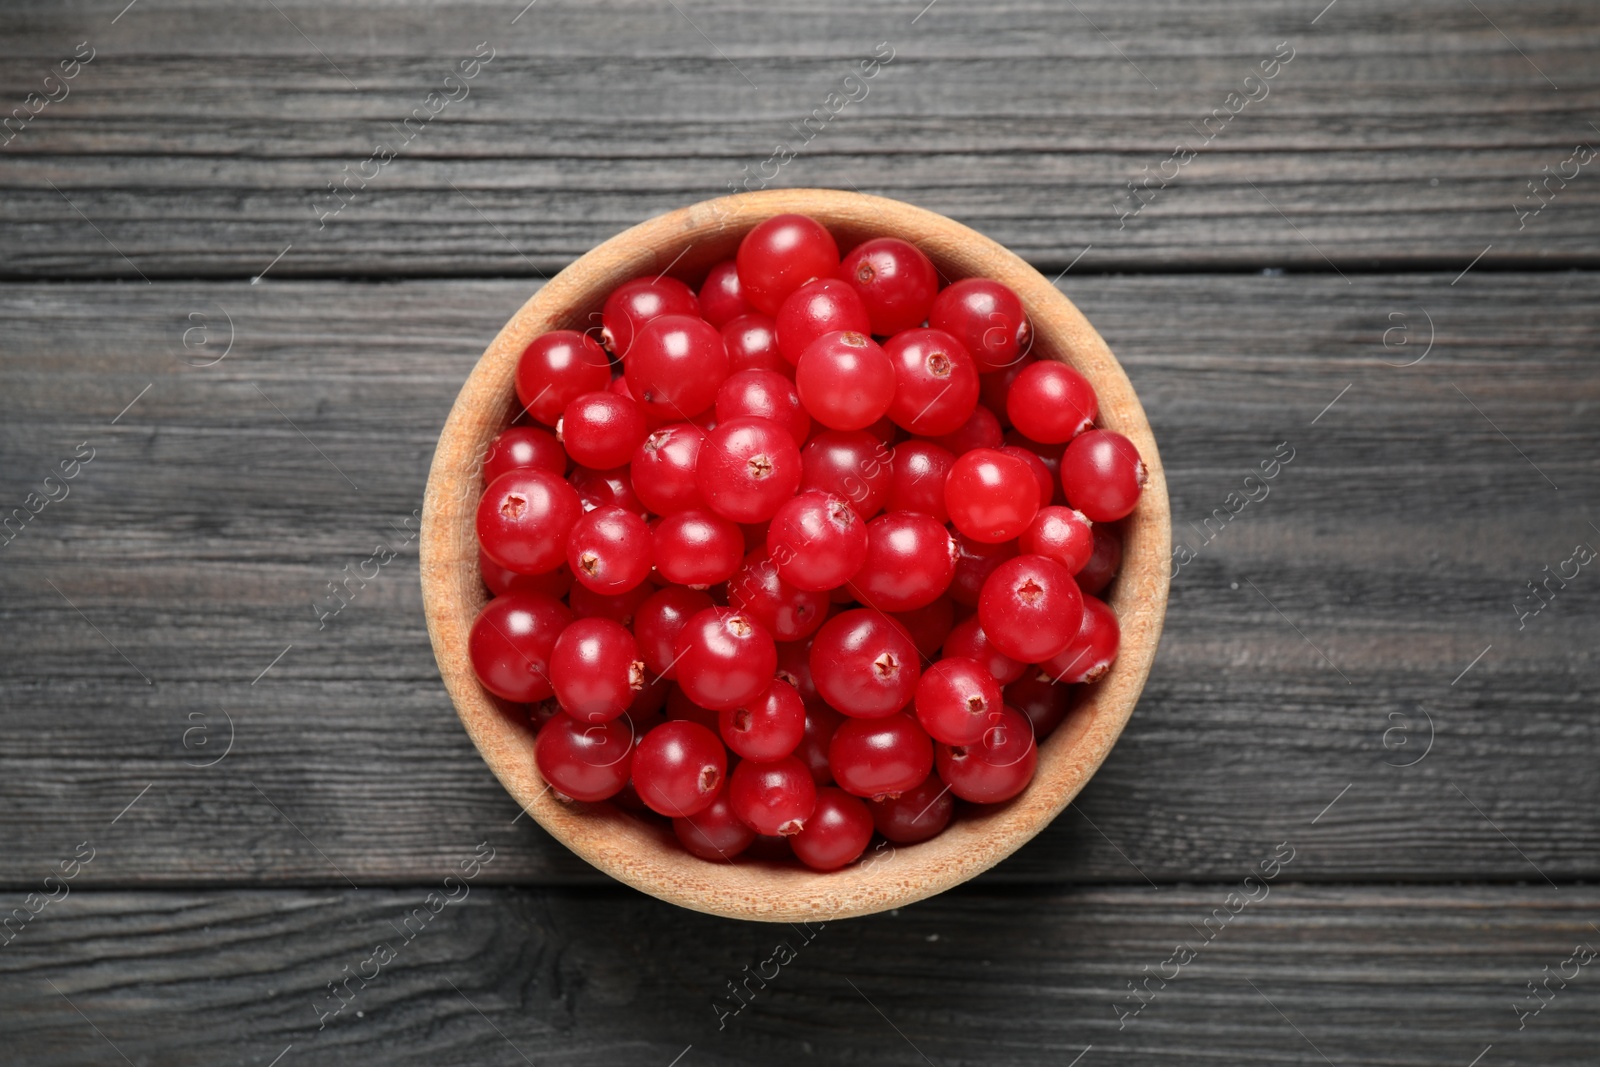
(645, 855)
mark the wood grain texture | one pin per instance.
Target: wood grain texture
(1388, 977)
(1394, 545)
(202, 138)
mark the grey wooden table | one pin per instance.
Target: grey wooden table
(1384, 256)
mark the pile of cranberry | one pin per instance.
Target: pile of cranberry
(799, 582)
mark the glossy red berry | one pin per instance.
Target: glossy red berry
(929, 625)
(663, 468)
(1030, 608)
(1092, 650)
(725, 658)
(845, 380)
(618, 607)
(752, 343)
(1062, 534)
(659, 619)
(895, 280)
(678, 769)
(992, 497)
(775, 797)
(767, 728)
(1103, 563)
(605, 489)
(986, 317)
(821, 722)
(880, 757)
(782, 254)
(697, 548)
(595, 670)
(676, 365)
(852, 464)
(787, 612)
(721, 299)
(714, 833)
(610, 550)
(975, 561)
(523, 448)
(585, 761)
(997, 767)
(994, 385)
(503, 580)
(837, 832)
(748, 467)
(1102, 474)
(1043, 702)
(510, 642)
(917, 475)
(524, 519)
(968, 639)
(1043, 476)
(1051, 403)
(556, 367)
(632, 304)
(981, 430)
(919, 813)
(910, 561)
(955, 699)
(764, 394)
(936, 382)
(864, 664)
(601, 430)
(825, 305)
(794, 667)
(816, 541)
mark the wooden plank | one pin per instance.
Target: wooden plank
(201, 139)
(1304, 644)
(1301, 976)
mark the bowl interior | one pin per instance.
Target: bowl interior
(643, 854)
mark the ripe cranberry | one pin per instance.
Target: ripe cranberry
(610, 550)
(880, 757)
(1062, 534)
(975, 561)
(524, 518)
(836, 834)
(821, 722)
(1030, 608)
(556, 367)
(1051, 403)
(816, 541)
(752, 343)
(997, 767)
(678, 768)
(1092, 650)
(585, 761)
(618, 607)
(748, 468)
(1103, 564)
(721, 299)
(994, 385)
(910, 561)
(510, 642)
(663, 469)
(794, 667)
(657, 622)
(788, 612)
(1102, 474)
(981, 430)
(936, 382)
(1042, 475)
(765, 394)
(849, 463)
(714, 833)
(955, 699)
(767, 728)
(845, 380)
(782, 254)
(632, 304)
(916, 482)
(1043, 702)
(725, 658)
(992, 497)
(523, 448)
(675, 366)
(697, 548)
(864, 664)
(595, 670)
(605, 489)
(774, 797)
(896, 282)
(503, 580)
(919, 813)
(969, 640)
(987, 318)
(601, 430)
(825, 305)
(929, 625)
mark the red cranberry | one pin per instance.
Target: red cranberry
(816, 541)
(601, 430)
(714, 833)
(610, 550)
(697, 548)
(987, 318)
(585, 761)
(503, 580)
(632, 304)
(992, 497)
(1092, 650)
(981, 430)
(794, 667)
(825, 305)
(1042, 474)
(604, 489)
(917, 478)
(1062, 534)
(595, 670)
(752, 343)
(1030, 608)
(510, 642)
(767, 728)
(1051, 403)
(676, 365)
(1102, 474)
(721, 299)
(748, 468)
(895, 280)
(788, 612)
(969, 640)
(919, 813)
(996, 768)
(556, 367)
(880, 757)
(909, 564)
(864, 664)
(975, 561)
(821, 722)
(774, 797)
(523, 448)
(678, 768)
(1043, 702)
(853, 464)
(845, 380)
(659, 619)
(725, 658)
(618, 607)
(936, 383)
(994, 385)
(836, 833)
(780, 255)
(765, 394)
(955, 700)
(929, 625)
(663, 470)
(524, 519)
(1103, 564)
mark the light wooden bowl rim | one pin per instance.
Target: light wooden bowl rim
(643, 855)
